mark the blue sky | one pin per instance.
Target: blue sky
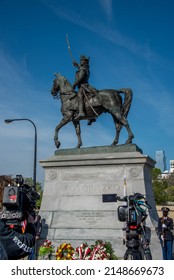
(130, 44)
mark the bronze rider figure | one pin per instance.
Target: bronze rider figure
(81, 78)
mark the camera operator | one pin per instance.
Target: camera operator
(17, 219)
(16, 244)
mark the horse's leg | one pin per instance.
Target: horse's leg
(58, 127)
(78, 133)
(123, 121)
(118, 127)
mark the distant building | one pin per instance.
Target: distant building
(165, 175)
(171, 166)
(160, 160)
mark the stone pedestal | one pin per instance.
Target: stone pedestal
(76, 179)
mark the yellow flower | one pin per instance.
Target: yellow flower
(64, 251)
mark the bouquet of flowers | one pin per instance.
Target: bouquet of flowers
(82, 252)
(102, 251)
(64, 252)
(46, 248)
(99, 251)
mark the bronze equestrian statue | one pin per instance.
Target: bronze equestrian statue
(95, 102)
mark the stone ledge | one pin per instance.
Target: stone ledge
(104, 155)
(100, 149)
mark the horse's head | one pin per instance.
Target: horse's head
(56, 85)
(61, 85)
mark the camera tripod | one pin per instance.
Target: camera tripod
(134, 215)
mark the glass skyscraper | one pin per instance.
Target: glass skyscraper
(160, 160)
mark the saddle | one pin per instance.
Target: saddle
(91, 96)
(91, 101)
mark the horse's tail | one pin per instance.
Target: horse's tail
(128, 94)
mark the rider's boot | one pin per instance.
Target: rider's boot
(81, 113)
(91, 121)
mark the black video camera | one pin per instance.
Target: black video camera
(134, 212)
(19, 200)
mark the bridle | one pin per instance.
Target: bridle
(58, 93)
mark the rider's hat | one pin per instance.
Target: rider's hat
(83, 57)
(165, 209)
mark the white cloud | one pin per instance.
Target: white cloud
(107, 7)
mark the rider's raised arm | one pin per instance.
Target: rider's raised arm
(75, 64)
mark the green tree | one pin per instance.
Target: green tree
(163, 189)
(170, 193)
(156, 173)
(159, 190)
(159, 186)
(170, 179)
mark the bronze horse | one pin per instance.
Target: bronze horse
(105, 100)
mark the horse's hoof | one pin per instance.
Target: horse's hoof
(129, 141)
(78, 146)
(57, 144)
(114, 143)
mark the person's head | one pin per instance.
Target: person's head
(84, 60)
(165, 211)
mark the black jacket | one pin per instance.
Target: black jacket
(82, 75)
(3, 254)
(17, 245)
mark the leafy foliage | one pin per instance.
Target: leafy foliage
(170, 180)
(163, 189)
(46, 248)
(170, 193)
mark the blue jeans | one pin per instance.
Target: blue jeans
(167, 249)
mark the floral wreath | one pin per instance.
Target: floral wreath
(64, 252)
(46, 248)
(99, 251)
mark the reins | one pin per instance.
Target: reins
(84, 93)
(58, 94)
(68, 92)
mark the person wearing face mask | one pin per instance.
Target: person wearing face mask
(165, 227)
